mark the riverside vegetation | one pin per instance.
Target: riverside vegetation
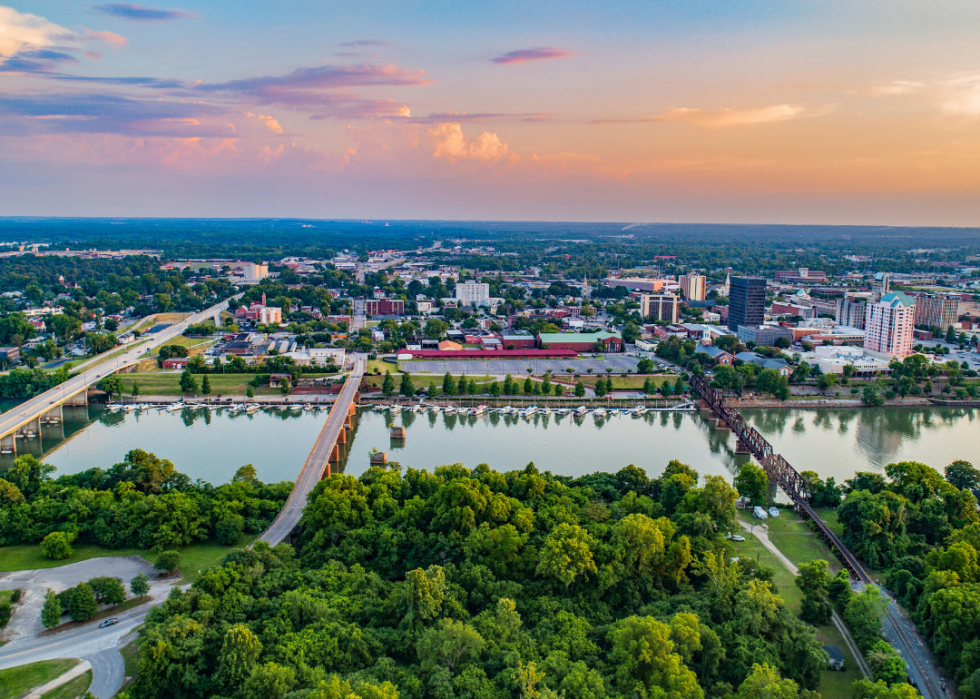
(484, 585)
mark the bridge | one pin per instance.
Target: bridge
(786, 477)
(326, 450)
(24, 421)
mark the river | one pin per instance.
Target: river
(212, 446)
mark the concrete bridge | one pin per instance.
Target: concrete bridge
(335, 433)
(25, 421)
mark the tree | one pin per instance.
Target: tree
(139, 585)
(865, 616)
(546, 385)
(57, 545)
(270, 681)
(448, 644)
(567, 554)
(249, 392)
(753, 483)
(284, 386)
(495, 389)
(448, 385)
(434, 329)
(407, 387)
(433, 392)
(240, 651)
(168, 561)
(528, 386)
(388, 385)
(871, 397)
(679, 386)
(645, 661)
(866, 689)
(82, 605)
(579, 389)
(51, 612)
(600, 387)
(826, 381)
(206, 385)
(187, 382)
(963, 475)
(10, 494)
(764, 682)
(135, 390)
(229, 529)
(812, 578)
(111, 385)
(108, 590)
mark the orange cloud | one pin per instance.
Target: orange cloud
(451, 143)
(724, 118)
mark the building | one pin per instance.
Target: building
(801, 276)
(176, 363)
(889, 326)
(936, 310)
(384, 307)
(9, 355)
(717, 354)
(779, 365)
(746, 302)
(779, 308)
(692, 286)
(522, 340)
(471, 293)
(833, 359)
(661, 306)
(582, 342)
(851, 312)
(254, 273)
(880, 285)
(763, 335)
(835, 659)
(259, 312)
(650, 286)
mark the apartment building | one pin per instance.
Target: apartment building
(692, 286)
(889, 325)
(661, 306)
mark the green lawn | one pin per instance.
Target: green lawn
(72, 688)
(791, 535)
(194, 558)
(131, 656)
(168, 384)
(16, 681)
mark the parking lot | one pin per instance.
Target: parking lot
(611, 363)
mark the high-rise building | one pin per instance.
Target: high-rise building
(851, 312)
(889, 325)
(936, 311)
(880, 285)
(746, 302)
(660, 306)
(471, 293)
(693, 286)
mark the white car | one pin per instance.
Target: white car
(738, 537)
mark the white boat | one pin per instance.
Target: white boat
(639, 412)
(380, 408)
(478, 410)
(563, 411)
(599, 413)
(581, 411)
(449, 410)
(308, 408)
(545, 410)
(179, 405)
(115, 408)
(529, 411)
(395, 409)
(253, 408)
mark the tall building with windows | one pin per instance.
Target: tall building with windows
(471, 293)
(889, 324)
(746, 302)
(851, 312)
(661, 306)
(693, 286)
(936, 311)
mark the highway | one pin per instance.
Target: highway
(37, 406)
(318, 458)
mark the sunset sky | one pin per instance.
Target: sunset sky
(680, 110)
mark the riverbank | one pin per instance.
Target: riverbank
(829, 403)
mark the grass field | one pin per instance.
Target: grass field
(72, 688)
(620, 382)
(193, 559)
(800, 545)
(16, 681)
(131, 657)
(168, 384)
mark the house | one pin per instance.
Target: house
(277, 380)
(176, 363)
(779, 365)
(836, 658)
(717, 354)
(447, 345)
(10, 355)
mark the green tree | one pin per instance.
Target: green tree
(168, 561)
(10, 494)
(111, 385)
(866, 689)
(82, 605)
(240, 651)
(433, 392)
(270, 681)
(963, 475)
(284, 386)
(813, 578)
(495, 389)
(528, 386)
(187, 382)
(679, 386)
(388, 385)
(764, 682)
(646, 662)
(865, 616)
(135, 390)
(205, 385)
(448, 385)
(57, 545)
(567, 554)
(448, 644)
(872, 397)
(546, 385)
(407, 387)
(579, 389)
(753, 483)
(51, 612)
(108, 590)
(139, 585)
(249, 392)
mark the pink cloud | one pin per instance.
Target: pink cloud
(452, 144)
(539, 53)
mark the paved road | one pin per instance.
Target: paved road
(29, 410)
(317, 460)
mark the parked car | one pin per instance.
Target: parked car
(738, 537)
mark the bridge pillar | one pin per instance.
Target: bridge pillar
(335, 453)
(342, 437)
(347, 422)
(742, 448)
(31, 429)
(53, 416)
(78, 399)
(8, 444)
(326, 470)
(722, 425)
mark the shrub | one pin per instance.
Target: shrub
(57, 545)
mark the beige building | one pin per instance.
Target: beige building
(692, 286)
(936, 311)
(889, 326)
(661, 306)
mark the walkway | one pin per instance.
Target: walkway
(318, 462)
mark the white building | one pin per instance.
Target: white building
(255, 273)
(889, 326)
(471, 293)
(693, 286)
(832, 359)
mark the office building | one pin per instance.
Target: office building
(801, 276)
(746, 302)
(936, 311)
(384, 307)
(637, 283)
(472, 293)
(660, 306)
(764, 335)
(692, 286)
(880, 285)
(888, 326)
(254, 273)
(851, 312)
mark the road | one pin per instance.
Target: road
(35, 407)
(317, 460)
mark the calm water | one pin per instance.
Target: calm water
(213, 445)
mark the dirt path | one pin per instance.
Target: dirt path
(761, 532)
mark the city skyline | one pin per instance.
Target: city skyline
(800, 114)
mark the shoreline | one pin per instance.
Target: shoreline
(845, 403)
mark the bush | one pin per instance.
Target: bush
(57, 545)
(82, 604)
(168, 561)
(229, 530)
(5, 612)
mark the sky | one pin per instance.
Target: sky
(753, 111)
